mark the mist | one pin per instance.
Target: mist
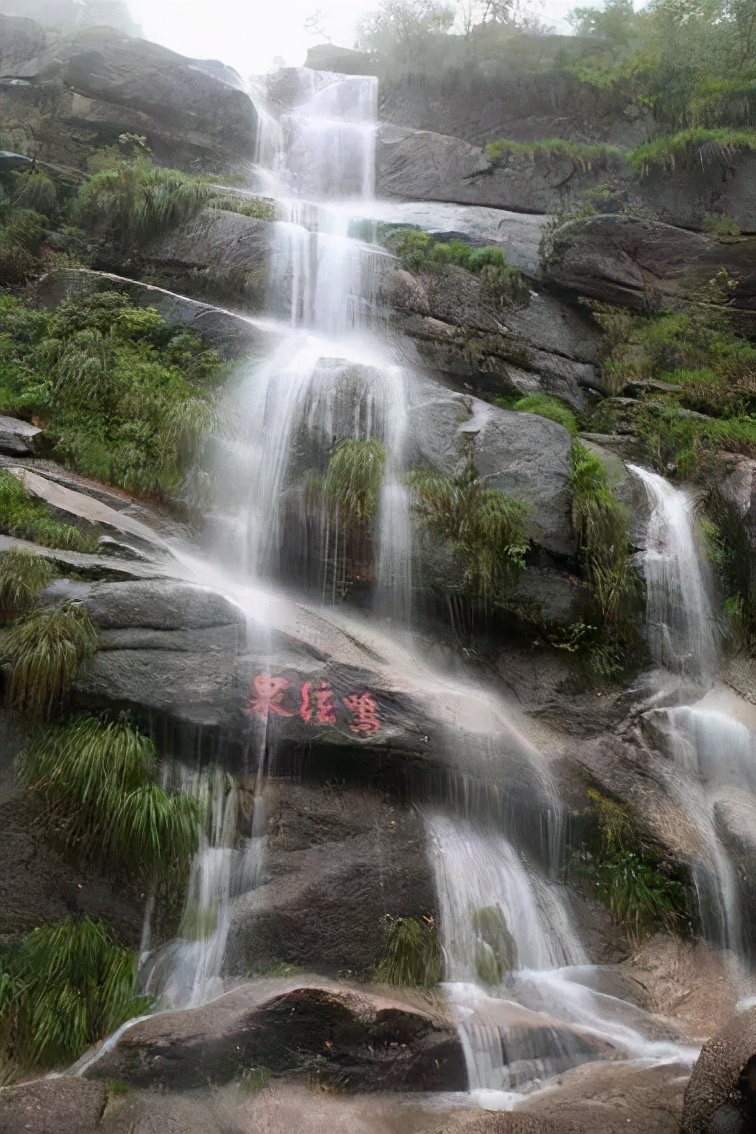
(255, 36)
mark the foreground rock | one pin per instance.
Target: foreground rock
(634, 263)
(361, 1041)
(721, 1095)
(52, 1106)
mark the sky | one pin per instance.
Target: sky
(250, 34)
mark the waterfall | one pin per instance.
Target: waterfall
(187, 972)
(518, 978)
(680, 619)
(712, 755)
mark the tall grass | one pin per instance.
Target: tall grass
(485, 528)
(585, 156)
(28, 518)
(22, 578)
(694, 145)
(97, 781)
(64, 987)
(411, 952)
(43, 652)
(136, 201)
(353, 479)
(419, 252)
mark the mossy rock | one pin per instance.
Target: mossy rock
(496, 948)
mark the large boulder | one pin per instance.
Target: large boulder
(22, 47)
(122, 84)
(17, 438)
(62, 1105)
(721, 1095)
(439, 167)
(637, 263)
(521, 455)
(360, 1040)
(338, 860)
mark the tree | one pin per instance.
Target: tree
(400, 31)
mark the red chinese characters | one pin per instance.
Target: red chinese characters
(318, 700)
(364, 712)
(266, 695)
(318, 704)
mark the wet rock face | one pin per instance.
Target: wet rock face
(21, 44)
(338, 860)
(628, 261)
(721, 1095)
(233, 336)
(360, 1040)
(52, 1106)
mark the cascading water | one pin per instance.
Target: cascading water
(517, 974)
(680, 618)
(712, 754)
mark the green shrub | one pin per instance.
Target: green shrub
(552, 408)
(421, 253)
(411, 952)
(485, 528)
(22, 233)
(125, 396)
(135, 202)
(629, 874)
(22, 577)
(64, 987)
(353, 480)
(43, 652)
(27, 518)
(98, 784)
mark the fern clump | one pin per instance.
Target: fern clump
(628, 873)
(64, 987)
(97, 781)
(22, 578)
(352, 484)
(485, 528)
(24, 517)
(601, 525)
(411, 952)
(43, 652)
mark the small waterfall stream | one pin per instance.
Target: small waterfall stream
(712, 754)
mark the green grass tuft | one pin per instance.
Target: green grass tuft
(97, 781)
(25, 517)
(419, 252)
(64, 987)
(549, 407)
(353, 479)
(43, 652)
(411, 952)
(486, 529)
(586, 157)
(692, 146)
(22, 578)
